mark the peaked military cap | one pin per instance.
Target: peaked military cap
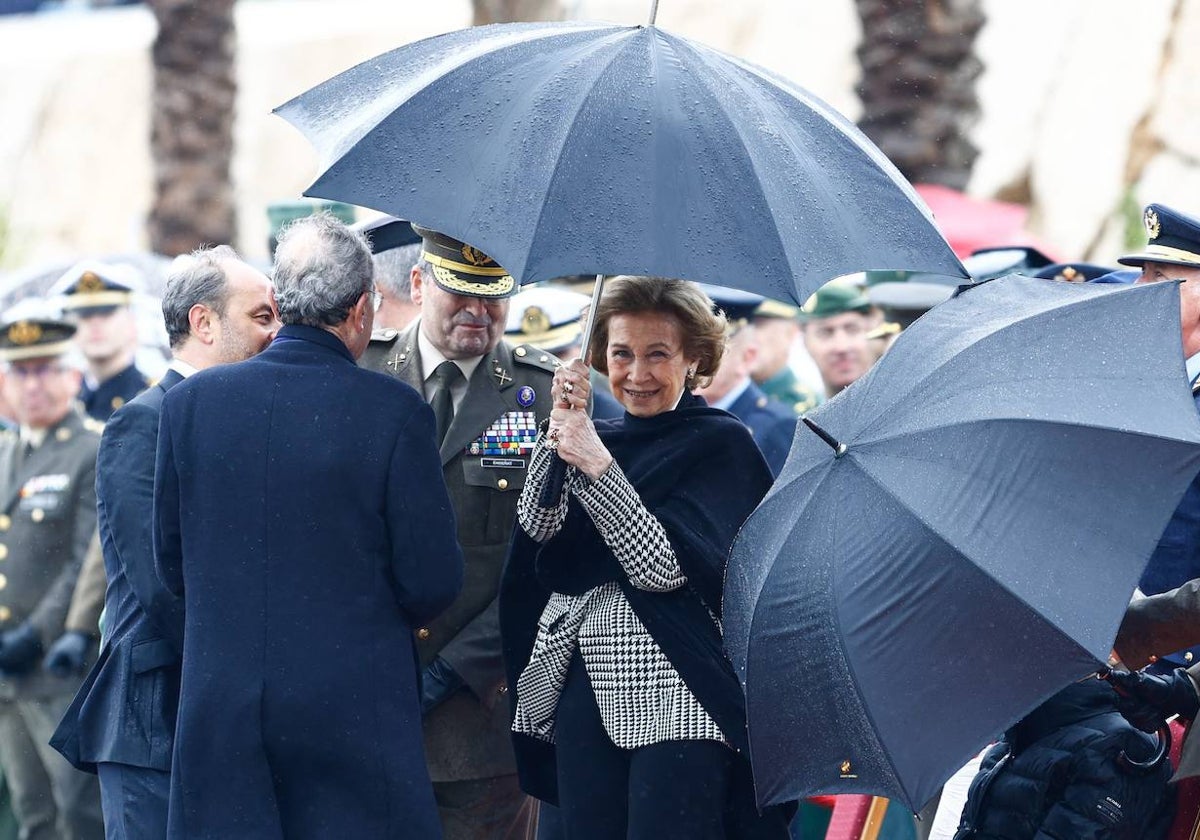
(1174, 238)
(462, 269)
(770, 308)
(33, 338)
(834, 299)
(546, 317)
(990, 263)
(96, 286)
(388, 232)
(739, 307)
(1072, 272)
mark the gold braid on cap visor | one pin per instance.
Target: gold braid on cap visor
(444, 272)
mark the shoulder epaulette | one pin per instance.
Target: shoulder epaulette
(527, 354)
(384, 335)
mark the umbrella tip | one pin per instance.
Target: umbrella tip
(839, 449)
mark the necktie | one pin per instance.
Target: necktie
(444, 376)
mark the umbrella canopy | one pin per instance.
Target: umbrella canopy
(965, 542)
(583, 148)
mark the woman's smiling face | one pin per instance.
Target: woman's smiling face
(647, 369)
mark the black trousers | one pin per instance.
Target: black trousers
(674, 789)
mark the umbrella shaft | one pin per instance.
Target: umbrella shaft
(653, 11)
(585, 340)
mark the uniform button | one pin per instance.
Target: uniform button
(502, 484)
(3, 581)
(1188, 656)
(63, 435)
(3, 551)
(117, 402)
(37, 515)
(5, 521)
(520, 351)
(5, 613)
(423, 633)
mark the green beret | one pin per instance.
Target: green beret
(834, 299)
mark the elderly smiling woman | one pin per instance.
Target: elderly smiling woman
(626, 712)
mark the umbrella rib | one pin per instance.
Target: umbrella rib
(681, 46)
(583, 101)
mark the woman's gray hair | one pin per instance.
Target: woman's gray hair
(197, 278)
(322, 268)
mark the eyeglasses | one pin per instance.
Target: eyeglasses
(41, 371)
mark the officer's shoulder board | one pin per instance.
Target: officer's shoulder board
(384, 335)
(527, 354)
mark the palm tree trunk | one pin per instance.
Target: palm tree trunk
(192, 115)
(918, 84)
(502, 11)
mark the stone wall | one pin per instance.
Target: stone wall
(1086, 104)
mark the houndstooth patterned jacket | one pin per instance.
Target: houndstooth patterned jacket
(641, 697)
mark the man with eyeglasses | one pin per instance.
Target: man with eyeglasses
(836, 322)
(47, 520)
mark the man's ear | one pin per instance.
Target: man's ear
(358, 312)
(416, 285)
(202, 323)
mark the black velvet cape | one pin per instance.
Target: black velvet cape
(698, 470)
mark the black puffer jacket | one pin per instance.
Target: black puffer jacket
(1056, 775)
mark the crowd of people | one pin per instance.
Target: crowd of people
(381, 556)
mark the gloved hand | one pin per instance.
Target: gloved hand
(20, 649)
(67, 655)
(1149, 699)
(438, 682)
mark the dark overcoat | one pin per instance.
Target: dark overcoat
(467, 737)
(772, 424)
(301, 514)
(125, 710)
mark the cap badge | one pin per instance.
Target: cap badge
(1152, 224)
(526, 396)
(90, 282)
(534, 321)
(476, 257)
(24, 333)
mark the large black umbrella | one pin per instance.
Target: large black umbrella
(588, 148)
(955, 537)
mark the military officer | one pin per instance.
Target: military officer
(778, 328)
(47, 520)
(97, 298)
(772, 423)
(395, 248)
(488, 397)
(836, 322)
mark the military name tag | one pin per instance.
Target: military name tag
(503, 463)
(512, 434)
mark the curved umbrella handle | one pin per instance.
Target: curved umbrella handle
(1149, 765)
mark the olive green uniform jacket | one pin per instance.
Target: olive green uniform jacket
(47, 521)
(467, 737)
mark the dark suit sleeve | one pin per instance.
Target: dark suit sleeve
(125, 485)
(1160, 624)
(50, 615)
(426, 559)
(168, 547)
